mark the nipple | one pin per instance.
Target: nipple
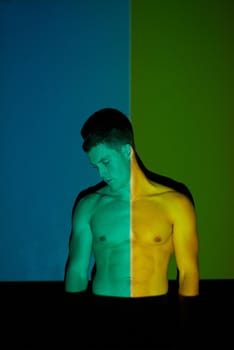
(102, 238)
(157, 239)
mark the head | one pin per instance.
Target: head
(108, 142)
(109, 125)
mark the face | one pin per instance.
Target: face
(112, 164)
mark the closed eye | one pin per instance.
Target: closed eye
(103, 161)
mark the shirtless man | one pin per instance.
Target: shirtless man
(132, 225)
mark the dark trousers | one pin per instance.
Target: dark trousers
(141, 323)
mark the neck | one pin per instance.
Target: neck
(122, 193)
(139, 182)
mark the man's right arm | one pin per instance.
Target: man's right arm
(80, 249)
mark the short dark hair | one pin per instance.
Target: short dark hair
(107, 125)
(110, 124)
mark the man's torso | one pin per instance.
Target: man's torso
(132, 243)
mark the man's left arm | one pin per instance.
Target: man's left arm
(186, 247)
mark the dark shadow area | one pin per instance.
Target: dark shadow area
(34, 314)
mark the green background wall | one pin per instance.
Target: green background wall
(182, 111)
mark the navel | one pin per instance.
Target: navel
(102, 238)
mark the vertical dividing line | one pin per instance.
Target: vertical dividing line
(129, 96)
(131, 233)
(130, 56)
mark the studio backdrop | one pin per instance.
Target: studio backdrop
(166, 65)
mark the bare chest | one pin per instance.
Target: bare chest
(143, 221)
(110, 222)
(150, 222)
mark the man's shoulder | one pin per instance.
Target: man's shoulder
(87, 197)
(157, 189)
(170, 194)
(177, 204)
(170, 183)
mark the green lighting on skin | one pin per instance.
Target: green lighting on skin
(131, 236)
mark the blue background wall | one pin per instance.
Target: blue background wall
(58, 64)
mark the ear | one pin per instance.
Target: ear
(127, 150)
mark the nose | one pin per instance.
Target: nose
(102, 173)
